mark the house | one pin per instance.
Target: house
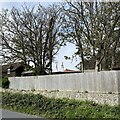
(12, 69)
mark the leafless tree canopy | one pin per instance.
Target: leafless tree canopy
(36, 35)
(94, 28)
(31, 35)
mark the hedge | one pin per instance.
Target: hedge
(37, 104)
(4, 82)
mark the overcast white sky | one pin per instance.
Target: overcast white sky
(64, 51)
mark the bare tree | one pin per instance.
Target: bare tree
(31, 35)
(94, 29)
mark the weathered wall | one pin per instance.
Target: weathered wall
(102, 82)
(101, 87)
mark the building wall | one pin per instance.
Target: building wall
(9, 75)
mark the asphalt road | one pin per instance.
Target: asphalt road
(11, 114)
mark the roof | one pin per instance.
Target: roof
(12, 66)
(68, 70)
(27, 72)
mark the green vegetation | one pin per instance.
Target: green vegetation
(4, 82)
(37, 104)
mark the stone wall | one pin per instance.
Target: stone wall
(111, 99)
(100, 98)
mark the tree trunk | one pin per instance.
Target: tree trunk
(82, 64)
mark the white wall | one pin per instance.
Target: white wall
(103, 82)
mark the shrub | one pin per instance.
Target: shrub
(57, 108)
(5, 82)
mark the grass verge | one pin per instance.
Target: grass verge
(36, 104)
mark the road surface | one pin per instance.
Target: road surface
(11, 114)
